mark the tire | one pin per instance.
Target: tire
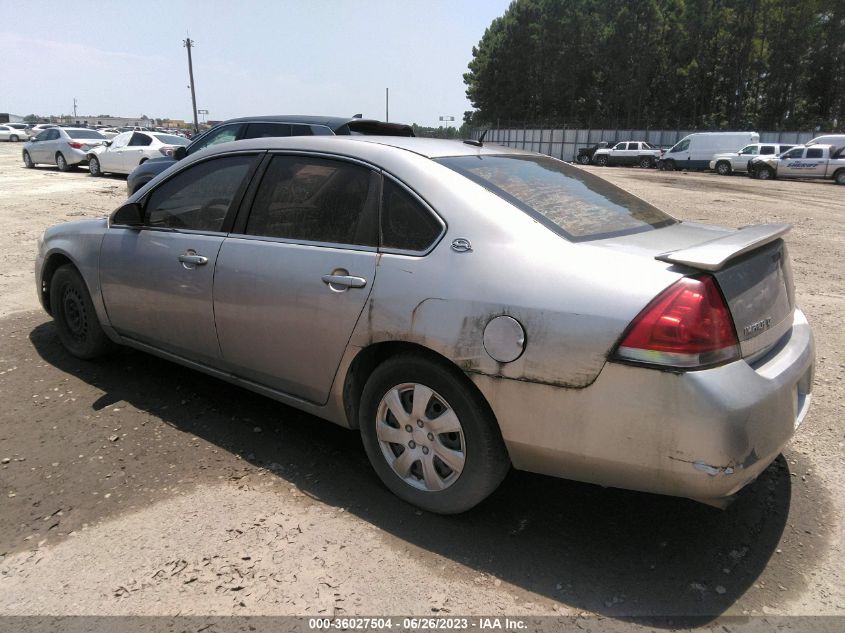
(94, 167)
(723, 168)
(583, 159)
(14, 138)
(839, 177)
(763, 173)
(138, 186)
(601, 160)
(27, 160)
(61, 163)
(73, 311)
(667, 165)
(646, 162)
(478, 460)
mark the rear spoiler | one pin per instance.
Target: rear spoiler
(714, 254)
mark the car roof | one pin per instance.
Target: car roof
(332, 122)
(427, 147)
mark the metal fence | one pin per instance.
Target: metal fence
(564, 143)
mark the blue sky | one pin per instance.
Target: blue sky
(331, 57)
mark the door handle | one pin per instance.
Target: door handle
(346, 281)
(193, 258)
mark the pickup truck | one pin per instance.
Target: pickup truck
(814, 161)
(628, 153)
(585, 154)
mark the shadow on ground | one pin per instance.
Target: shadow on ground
(612, 552)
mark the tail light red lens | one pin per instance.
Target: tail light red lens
(687, 326)
(166, 150)
(75, 144)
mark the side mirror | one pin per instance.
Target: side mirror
(130, 214)
(107, 143)
(180, 152)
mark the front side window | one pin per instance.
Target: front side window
(405, 223)
(316, 200)
(680, 147)
(749, 150)
(120, 140)
(85, 134)
(224, 134)
(620, 146)
(199, 197)
(576, 204)
(798, 152)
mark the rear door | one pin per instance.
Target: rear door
(157, 281)
(133, 153)
(290, 286)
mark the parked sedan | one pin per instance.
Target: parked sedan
(64, 147)
(14, 132)
(263, 126)
(466, 307)
(127, 150)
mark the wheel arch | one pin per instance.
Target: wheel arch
(370, 357)
(53, 262)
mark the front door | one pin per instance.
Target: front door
(157, 282)
(802, 162)
(289, 289)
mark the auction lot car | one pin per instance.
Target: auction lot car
(127, 150)
(812, 161)
(628, 153)
(585, 154)
(391, 285)
(64, 147)
(14, 132)
(730, 162)
(263, 126)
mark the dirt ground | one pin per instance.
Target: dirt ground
(134, 486)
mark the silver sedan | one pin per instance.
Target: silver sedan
(467, 307)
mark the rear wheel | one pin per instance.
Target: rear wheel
(430, 437)
(14, 138)
(75, 317)
(61, 163)
(584, 159)
(94, 166)
(601, 160)
(723, 168)
(839, 177)
(27, 160)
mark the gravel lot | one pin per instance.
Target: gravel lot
(134, 486)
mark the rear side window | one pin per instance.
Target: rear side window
(84, 134)
(405, 223)
(139, 140)
(815, 152)
(576, 204)
(316, 200)
(198, 198)
(767, 149)
(264, 130)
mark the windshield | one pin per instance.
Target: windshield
(84, 134)
(171, 139)
(572, 202)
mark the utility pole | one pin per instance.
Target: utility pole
(74, 107)
(189, 43)
(387, 105)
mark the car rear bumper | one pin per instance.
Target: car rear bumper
(699, 434)
(75, 156)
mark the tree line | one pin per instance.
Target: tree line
(704, 64)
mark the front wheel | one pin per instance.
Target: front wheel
(601, 160)
(431, 438)
(76, 320)
(646, 162)
(723, 168)
(94, 166)
(27, 161)
(763, 173)
(667, 165)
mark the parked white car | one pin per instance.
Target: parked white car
(127, 150)
(14, 132)
(730, 162)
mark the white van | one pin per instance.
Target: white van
(837, 140)
(696, 150)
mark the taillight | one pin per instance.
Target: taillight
(687, 326)
(75, 144)
(166, 150)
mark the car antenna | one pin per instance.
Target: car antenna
(480, 141)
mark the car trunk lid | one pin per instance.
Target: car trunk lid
(751, 266)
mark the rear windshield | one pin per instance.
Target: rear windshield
(572, 202)
(172, 139)
(84, 134)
